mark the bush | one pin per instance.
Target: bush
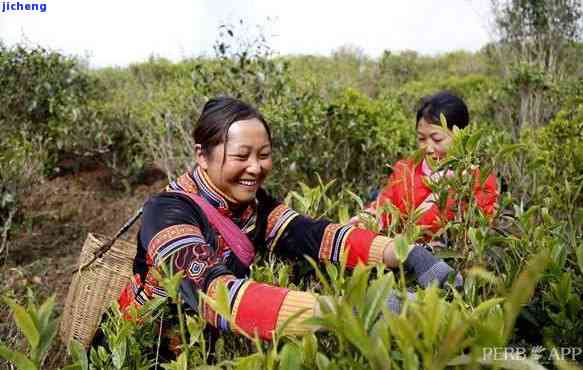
(44, 95)
(353, 135)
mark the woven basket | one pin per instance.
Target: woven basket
(95, 288)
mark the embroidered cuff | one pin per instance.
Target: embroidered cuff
(334, 242)
(208, 313)
(377, 248)
(277, 222)
(293, 303)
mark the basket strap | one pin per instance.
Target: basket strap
(107, 246)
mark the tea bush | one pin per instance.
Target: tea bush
(44, 112)
(338, 123)
(44, 97)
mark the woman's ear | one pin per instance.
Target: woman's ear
(200, 156)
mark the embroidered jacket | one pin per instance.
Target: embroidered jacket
(407, 189)
(174, 231)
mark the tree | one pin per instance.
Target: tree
(535, 39)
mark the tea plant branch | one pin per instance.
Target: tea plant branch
(181, 323)
(159, 341)
(7, 226)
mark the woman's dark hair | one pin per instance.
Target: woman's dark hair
(452, 107)
(217, 116)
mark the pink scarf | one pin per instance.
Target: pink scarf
(233, 236)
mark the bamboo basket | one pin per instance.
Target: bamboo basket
(96, 284)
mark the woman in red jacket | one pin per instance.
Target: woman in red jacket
(407, 188)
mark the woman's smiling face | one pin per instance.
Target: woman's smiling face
(239, 166)
(434, 139)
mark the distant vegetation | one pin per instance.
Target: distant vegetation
(344, 118)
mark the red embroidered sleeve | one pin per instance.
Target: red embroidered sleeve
(259, 309)
(362, 246)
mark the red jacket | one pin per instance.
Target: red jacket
(407, 190)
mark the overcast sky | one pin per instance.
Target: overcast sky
(118, 32)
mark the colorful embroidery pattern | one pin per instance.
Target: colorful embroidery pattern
(237, 301)
(172, 239)
(137, 293)
(207, 190)
(197, 182)
(208, 313)
(334, 242)
(277, 221)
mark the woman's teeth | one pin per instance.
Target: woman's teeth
(248, 182)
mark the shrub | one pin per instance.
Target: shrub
(44, 95)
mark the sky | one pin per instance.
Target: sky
(119, 32)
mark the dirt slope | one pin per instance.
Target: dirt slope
(58, 214)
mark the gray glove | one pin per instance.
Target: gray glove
(395, 303)
(427, 268)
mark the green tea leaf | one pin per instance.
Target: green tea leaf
(559, 255)
(523, 288)
(181, 363)
(290, 357)
(118, 355)
(332, 272)
(508, 149)
(487, 305)
(401, 248)
(79, 355)
(47, 336)
(322, 361)
(432, 307)
(251, 362)
(220, 304)
(356, 287)
(356, 198)
(283, 277)
(379, 356)
(17, 358)
(579, 253)
(354, 331)
(45, 311)
(195, 326)
(310, 349)
(376, 297)
(481, 273)
(24, 322)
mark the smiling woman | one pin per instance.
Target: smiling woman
(246, 161)
(211, 221)
(408, 186)
(240, 165)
